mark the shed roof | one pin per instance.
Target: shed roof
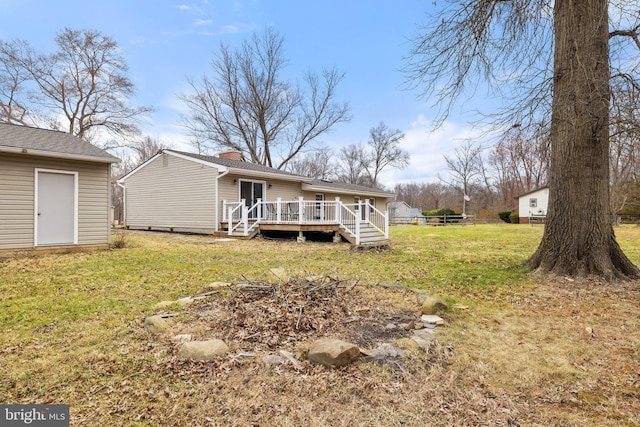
(532, 191)
(49, 143)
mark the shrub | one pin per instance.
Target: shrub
(446, 211)
(514, 218)
(119, 238)
(504, 215)
(432, 212)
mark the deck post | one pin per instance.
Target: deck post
(301, 217)
(224, 211)
(258, 209)
(386, 225)
(245, 219)
(278, 210)
(230, 223)
(338, 211)
(367, 210)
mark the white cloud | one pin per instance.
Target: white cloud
(202, 22)
(183, 7)
(427, 149)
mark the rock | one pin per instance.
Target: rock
(185, 301)
(290, 357)
(273, 360)
(202, 350)
(425, 334)
(432, 319)
(433, 305)
(332, 352)
(180, 338)
(384, 351)
(218, 286)
(421, 342)
(391, 326)
(421, 297)
(156, 324)
(241, 357)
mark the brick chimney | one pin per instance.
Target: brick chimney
(231, 155)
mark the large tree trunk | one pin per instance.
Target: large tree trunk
(578, 238)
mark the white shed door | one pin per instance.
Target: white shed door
(56, 208)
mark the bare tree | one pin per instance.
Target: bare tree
(85, 82)
(352, 165)
(385, 151)
(14, 82)
(316, 164)
(465, 167)
(248, 106)
(488, 39)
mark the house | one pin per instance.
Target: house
(186, 192)
(532, 206)
(402, 213)
(54, 190)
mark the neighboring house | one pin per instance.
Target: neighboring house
(185, 192)
(532, 206)
(54, 190)
(402, 213)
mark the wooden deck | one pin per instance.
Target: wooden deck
(361, 224)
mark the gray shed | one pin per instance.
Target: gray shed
(54, 190)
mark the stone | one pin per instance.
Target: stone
(241, 357)
(273, 360)
(432, 319)
(202, 350)
(420, 342)
(180, 338)
(384, 351)
(391, 326)
(290, 357)
(425, 334)
(434, 305)
(156, 324)
(218, 286)
(332, 352)
(185, 301)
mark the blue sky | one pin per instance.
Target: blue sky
(166, 41)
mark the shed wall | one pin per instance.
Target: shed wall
(17, 198)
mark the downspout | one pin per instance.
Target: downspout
(217, 226)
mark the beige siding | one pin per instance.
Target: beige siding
(17, 183)
(230, 191)
(172, 193)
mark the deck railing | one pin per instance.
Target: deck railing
(244, 220)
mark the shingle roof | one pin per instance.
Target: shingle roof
(237, 164)
(49, 143)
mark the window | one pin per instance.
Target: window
(533, 202)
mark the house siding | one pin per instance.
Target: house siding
(172, 193)
(17, 198)
(525, 211)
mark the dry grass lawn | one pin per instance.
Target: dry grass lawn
(521, 350)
